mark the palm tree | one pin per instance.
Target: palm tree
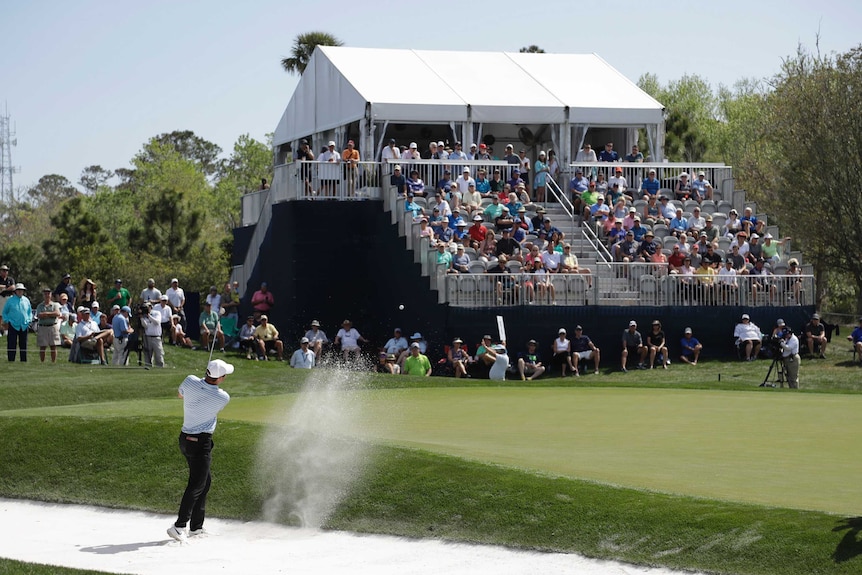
(303, 47)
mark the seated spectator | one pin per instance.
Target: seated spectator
(485, 353)
(618, 180)
(751, 224)
(650, 186)
(676, 259)
(633, 345)
(696, 223)
(316, 339)
(412, 209)
(599, 210)
(652, 213)
(458, 358)
(349, 339)
(668, 210)
(748, 338)
(266, 338)
(551, 257)
(529, 365)
(505, 220)
(548, 229)
(210, 328)
(856, 339)
(647, 248)
(727, 286)
(619, 209)
(483, 185)
(416, 363)
(732, 226)
(461, 261)
(415, 185)
(67, 329)
(471, 200)
(399, 182)
(760, 281)
(495, 185)
(706, 281)
(701, 189)
(691, 347)
(246, 337)
(686, 281)
(178, 335)
(443, 258)
(562, 350)
(616, 234)
(738, 260)
(583, 349)
(516, 180)
(755, 249)
(396, 344)
(494, 210)
(683, 187)
(586, 154)
(602, 184)
(742, 243)
(815, 336)
(711, 231)
(442, 204)
(488, 249)
(679, 225)
(88, 335)
(657, 344)
(444, 234)
(609, 154)
(636, 156)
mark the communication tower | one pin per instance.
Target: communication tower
(7, 140)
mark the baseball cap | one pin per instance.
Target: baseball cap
(414, 345)
(745, 316)
(815, 316)
(687, 330)
(562, 330)
(413, 145)
(633, 323)
(315, 323)
(82, 309)
(578, 328)
(218, 368)
(163, 297)
(94, 304)
(126, 309)
(331, 143)
(304, 340)
(780, 323)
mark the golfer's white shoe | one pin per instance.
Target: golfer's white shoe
(177, 533)
(199, 532)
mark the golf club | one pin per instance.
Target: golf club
(221, 313)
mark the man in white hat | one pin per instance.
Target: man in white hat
(316, 338)
(748, 338)
(17, 315)
(303, 358)
(202, 402)
(329, 174)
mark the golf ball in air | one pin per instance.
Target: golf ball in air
(401, 307)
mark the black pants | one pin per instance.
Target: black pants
(197, 451)
(17, 339)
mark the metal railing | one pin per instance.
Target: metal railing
(432, 171)
(622, 284)
(666, 173)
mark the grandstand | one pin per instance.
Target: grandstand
(334, 244)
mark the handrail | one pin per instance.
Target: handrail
(597, 244)
(569, 208)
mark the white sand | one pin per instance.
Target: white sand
(133, 542)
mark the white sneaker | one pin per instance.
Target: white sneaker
(177, 533)
(199, 532)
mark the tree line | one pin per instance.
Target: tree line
(171, 214)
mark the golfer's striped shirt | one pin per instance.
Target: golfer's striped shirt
(201, 404)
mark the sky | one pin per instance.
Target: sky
(89, 82)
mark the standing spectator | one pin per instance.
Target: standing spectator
(266, 336)
(163, 308)
(748, 337)
(349, 339)
(17, 315)
(633, 345)
(177, 301)
(390, 152)
(214, 298)
(87, 293)
(690, 346)
(48, 325)
(329, 174)
(350, 159)
(7, 288)
(303, 358)
(316, 338)
(583, 348)
(122, 330)
(541, 178)
(210, 327)
(230, 302)
(416, 363)
(609, 154)
(815, 336)
(510, 157)
(118, 294)
(728, 287)
(524, 166)
(262, 300)
(65, 286)
(154, 351)
(304, 154)
(657, 344)
(151, 295)
(529, 366)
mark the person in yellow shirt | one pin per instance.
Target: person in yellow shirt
(266, 338)
(706, 282)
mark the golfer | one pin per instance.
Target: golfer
(202, 401)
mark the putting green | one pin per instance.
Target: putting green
(780, 449)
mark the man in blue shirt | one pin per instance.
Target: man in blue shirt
(579, 183)
(202, 402)
(608, 154)
(444, 184)
(679, 225)
(122, 331)
(17, 315)
(856, 338)
(690, 347)
(650, 186)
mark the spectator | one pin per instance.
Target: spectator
(760, 281)
(179, 337)
(440, 154)
(586, 154)
(229, 301)
(633, 344)
(411, 153)
(584, 349)
(399, 182)
(569, 264)
(667, 209)
(390, 152)
(647, 248)
(706, 279)
(386, 364)
(516, 179)
(48, 325)
(17, 316)
(711, 231)
(461, 261)
(153, 348)
(151, 294)
(856, 339)
(396, 344)
(303, 358)
(541, 282)
(738, 260)
(472, 199)
(416, 363)
(598, 210)
(177, 300)
(210, 328)
(349, 339)
(579, 184)
(815, 336)
(350, 160)
(619, 180)
(304, 154)
(524, 167)
(496, 184)
(696, 223)
(316, 339)
(262, 300)
(562, 350)
(415, 185)
(67, 329)
(650, 186)
(444, 184)
(652, 213)
(657, 344)
(87, 293)
(732, 226)
(701, 188)
(214, 298)
(636, 156)
(506, 284)
(609, 154)
(727, 286)
(118, 294)
(246, 337)
(691, 347)
(510, 157)
(679, 225)
(266, 337)
(529, 366)
(485, 354)
(541, 179)
(504, 220)
(750, 224)
(458, 358)
(683, 187)
(748, 338)
(122, 329)
(770, 248)
(329, 173)
(163, 308)
(88, 335)
(65, 286)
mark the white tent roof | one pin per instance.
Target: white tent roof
(422, 86)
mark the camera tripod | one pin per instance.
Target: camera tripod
(780, 374)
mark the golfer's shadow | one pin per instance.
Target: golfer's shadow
(850, 546)
(123, 548)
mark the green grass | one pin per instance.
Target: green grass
(12, 567)
(119, 450)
